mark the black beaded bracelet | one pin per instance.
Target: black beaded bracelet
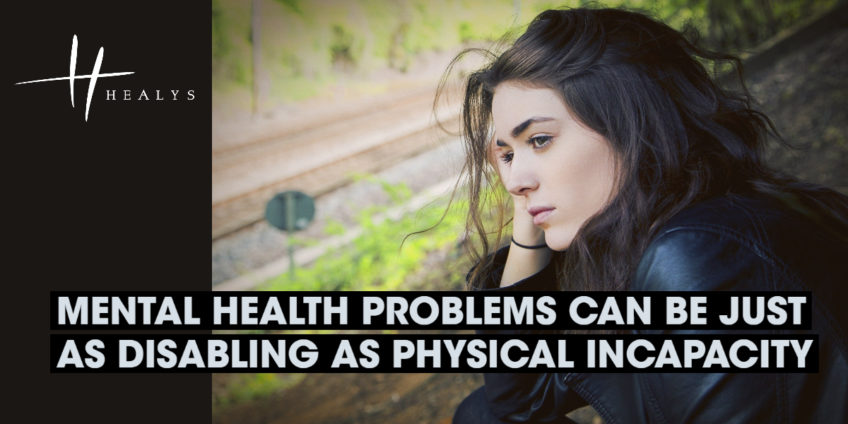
(528, 247)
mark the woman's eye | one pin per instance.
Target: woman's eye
(540, 141)
(507, 157)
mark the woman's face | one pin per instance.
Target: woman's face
(560, 171)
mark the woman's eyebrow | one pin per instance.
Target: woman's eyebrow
(520, 128)
(523, 126)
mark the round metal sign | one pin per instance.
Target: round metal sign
(290, 210)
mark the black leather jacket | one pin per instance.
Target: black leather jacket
(728, 243)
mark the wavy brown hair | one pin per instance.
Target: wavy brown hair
(679, 137)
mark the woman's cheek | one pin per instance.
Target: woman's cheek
(503, 171)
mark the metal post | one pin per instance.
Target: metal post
(290, 230)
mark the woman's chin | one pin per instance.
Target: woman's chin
(558, 241)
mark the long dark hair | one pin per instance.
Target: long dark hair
(679, 137)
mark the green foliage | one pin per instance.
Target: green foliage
(334, 228)
(308, 46)
(292, 5)
(243, 387)
(398, 193)
(220, 42)
(340, 48)
(230, 46)
(735, 25)
(375, 260)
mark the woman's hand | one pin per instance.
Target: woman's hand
(523, 229)
(521, 262)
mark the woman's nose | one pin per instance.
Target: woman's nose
(522, 179)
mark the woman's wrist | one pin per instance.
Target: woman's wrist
(528, 246)
(522, 263)
(528, 253)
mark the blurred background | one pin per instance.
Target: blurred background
(335, 99)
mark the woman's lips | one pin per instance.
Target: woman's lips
(540, 214)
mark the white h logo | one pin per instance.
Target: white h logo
(95, 73)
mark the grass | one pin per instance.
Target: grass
(432, 260)
(380, 258)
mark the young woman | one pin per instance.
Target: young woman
(630, 169)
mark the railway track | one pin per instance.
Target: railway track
(237, 143)
(318, 158)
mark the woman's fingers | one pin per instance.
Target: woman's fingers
(523, 229)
